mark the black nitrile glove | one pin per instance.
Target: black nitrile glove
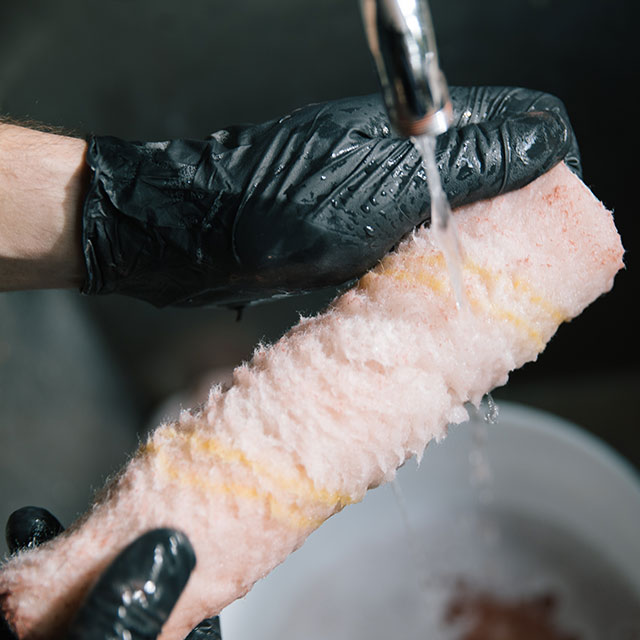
(308, 201)
(134, 596)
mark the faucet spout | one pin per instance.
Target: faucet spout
(402, 43)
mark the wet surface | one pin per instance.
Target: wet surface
(157, 69)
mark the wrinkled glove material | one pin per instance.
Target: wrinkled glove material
(308, 201)
(134, 596)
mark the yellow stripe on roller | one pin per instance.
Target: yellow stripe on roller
(419, 271)
(292, 515)
(430, 272)
(555, 313)
(524, 288)
(520, 322)
(301, 486)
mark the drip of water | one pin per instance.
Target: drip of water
(492, 410)
(415, 543)
(481, 475)
(442, 223)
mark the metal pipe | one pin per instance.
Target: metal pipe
(402, 43)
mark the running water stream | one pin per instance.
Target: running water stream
(446, 238)
(442, 222)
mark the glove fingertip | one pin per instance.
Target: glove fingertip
(30, 527)
(554, 130)
(208, 629)
(138, 591)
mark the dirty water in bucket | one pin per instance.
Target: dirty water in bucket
(471, 569)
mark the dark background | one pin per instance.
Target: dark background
(154, 69)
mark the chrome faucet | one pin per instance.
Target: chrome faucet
(402, 42)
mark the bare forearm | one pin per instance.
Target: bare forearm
(42, 182)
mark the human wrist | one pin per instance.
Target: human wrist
(42, 183)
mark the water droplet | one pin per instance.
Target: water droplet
(149, 587)
(383, 193)
(323, 177)
(492, 411)
(334, 202)
(373, 200)
(369, 230)
(366, 208)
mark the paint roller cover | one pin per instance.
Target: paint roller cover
(336, 405)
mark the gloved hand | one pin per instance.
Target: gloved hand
(134, 596)
(311, 200)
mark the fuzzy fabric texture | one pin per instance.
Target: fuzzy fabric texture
(336, 405)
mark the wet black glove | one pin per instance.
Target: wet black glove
(312, 200)
(134, 596)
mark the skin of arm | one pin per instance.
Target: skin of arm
(42, 181)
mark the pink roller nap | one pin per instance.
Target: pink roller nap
(334, 407)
